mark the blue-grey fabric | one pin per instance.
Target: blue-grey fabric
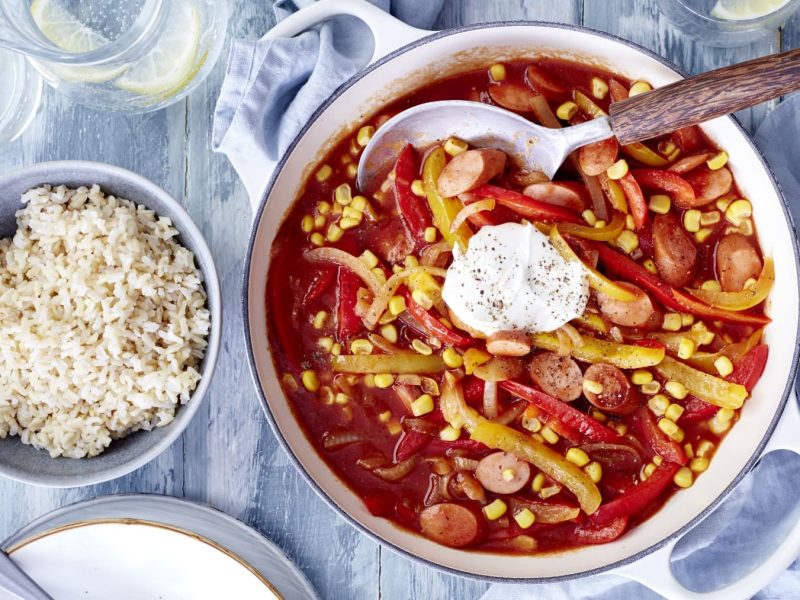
(271, 90)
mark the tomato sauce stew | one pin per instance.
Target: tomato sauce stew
(481, 435)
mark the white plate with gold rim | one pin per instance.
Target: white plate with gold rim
(144, 546)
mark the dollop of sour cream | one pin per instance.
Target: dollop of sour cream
(512, 278)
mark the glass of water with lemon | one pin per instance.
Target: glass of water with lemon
(727, 23)
(119, 55)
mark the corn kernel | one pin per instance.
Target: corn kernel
(704, 448)
(336, 349)
(525, 518)
(724, 366)
(698, 465)
(533, 425)
(319, 319)
(389, 331)
(599, 224)
(618, 170)
(598, 415)
(351, 213)
(567, 110)
(703, 234)
(668, 426)
(648, 470)
(691, 220)
(712, 285)
(385, 416)
(449, 434)
(334, 233)
(317, 239)
(418, 187)
(629, 223)
(364, 135)
(326, 343)
(717, 161)
(341, 398)
(307, 224)
(746, 227)
(421, 347)
(473, 358)
(687, 448)
(686, 319)
(421, 406)
(660, 203)
(684, 477)
(594, 470)
(725, 414)
(430, 234)
(650, 266)
(348, 223)
(711, 217)
(361, 346)
(359, 203)
(674, 412)
(658, 460)
(384, 380)
(538, 483)
(319, 222)
(394, 427)
(324, 172)
(497, 72)
(508, 474)
(620, 428)
(589, 216)
(352, 170)
(412, 261)
(651, 388)
(452, 359)
(397, 304)
(639, 87)
(310, 380)
(369, 259)
(672, 322)
(738, 211)
(549, 435)
(686, 348)
(677, 390)
(495, 510)
(593, 387)
(749, 284)
(577, 457)
(454, 146)
(627, 241)
(599, 88)
(666, 147)
(550, 490)
(343, 194)
(658, 404)
(641, 376)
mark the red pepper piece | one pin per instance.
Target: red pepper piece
(434, 325)
(412, 209)
(638, 497)
(348, 323)
(696, 410)
(473, 390)
(320, 282)
(657, 440)
(636, 202)
(588, 532)
(584, 424)
(672, 183)
(631, 271)
(409, 444)
(689, 138)
(380, 504)
(526, 206)
(748, 369)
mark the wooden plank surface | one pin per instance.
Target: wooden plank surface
(228, 457)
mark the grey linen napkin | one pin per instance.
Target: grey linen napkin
(270, 91)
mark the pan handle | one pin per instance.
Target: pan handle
(654, 571)
(388, 33)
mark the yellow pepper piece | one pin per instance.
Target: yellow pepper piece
(600, 234)
(545, 459)
(712, 389)
(587, 105)
(387, 363)
(593, 350)
(592, 321)
(705, 361)
(616, 197)
(444, 210)
(747, 298)
(644, 155)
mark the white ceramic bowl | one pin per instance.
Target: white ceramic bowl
(29, 465)
(435, 55)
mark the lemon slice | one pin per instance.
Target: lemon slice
(171, 63)
(68, 33)
(742, 10)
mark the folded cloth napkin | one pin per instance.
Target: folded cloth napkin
(272, 88)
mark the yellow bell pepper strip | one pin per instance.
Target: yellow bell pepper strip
(745, 299)
(596, 280)
(668, 296)
(587, 105)
(705, 360)
(644, 155)
(547, 460)
(593, 322)
(387, 363)
(672, 341)
(713, 390)
(454, 407)
(598, 234)
(614, 193)
(444, 210)
(593, 350)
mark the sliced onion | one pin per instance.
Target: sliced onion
(344, 259)
(490, 408)
(431, 253)
(396, 471)
(372, 462)
(470, 487)
(575, 338)
(387, 290)
(614, 456)
(421, 425)
(564, 343)
(405, 394)
(546, 512)
(427, 384)
(381, 342)
(469, 210)
(333, 440)
(499, 368)
(512, 413)
(439, 465)
(465, 464)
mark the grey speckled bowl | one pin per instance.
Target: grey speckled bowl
(25, 463)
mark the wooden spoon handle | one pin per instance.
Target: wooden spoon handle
(701, 98)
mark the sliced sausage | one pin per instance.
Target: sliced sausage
(689, 139)
(503, 473)
(618, 396)
(470, 169)
(523, 177)
(512, 96)
(709, 185)
(450, 524)
(540, 80)
(508, 343)
(563, 193)
(558, 376)
(737, 261)
(627, 314)
(689, 163)
(597, 157)
(673, 250)
(392, 242)
(617, 90)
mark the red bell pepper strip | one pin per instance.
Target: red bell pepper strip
(748, 369)
(473, 389)
(571, 417)
(667, 295)
(636, 202)
(536, 210)
(672, 183)
(638, 497)
(348, 323)
(587, 532)
(696, 410)
(409, 444)
(436, 328)
(413, 209)
(320, 282)
(656, 439)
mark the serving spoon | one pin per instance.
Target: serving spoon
(536, 148)
(15, 580)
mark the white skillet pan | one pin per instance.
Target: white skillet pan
(406, 58)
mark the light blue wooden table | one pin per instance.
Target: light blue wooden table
(228, 457)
